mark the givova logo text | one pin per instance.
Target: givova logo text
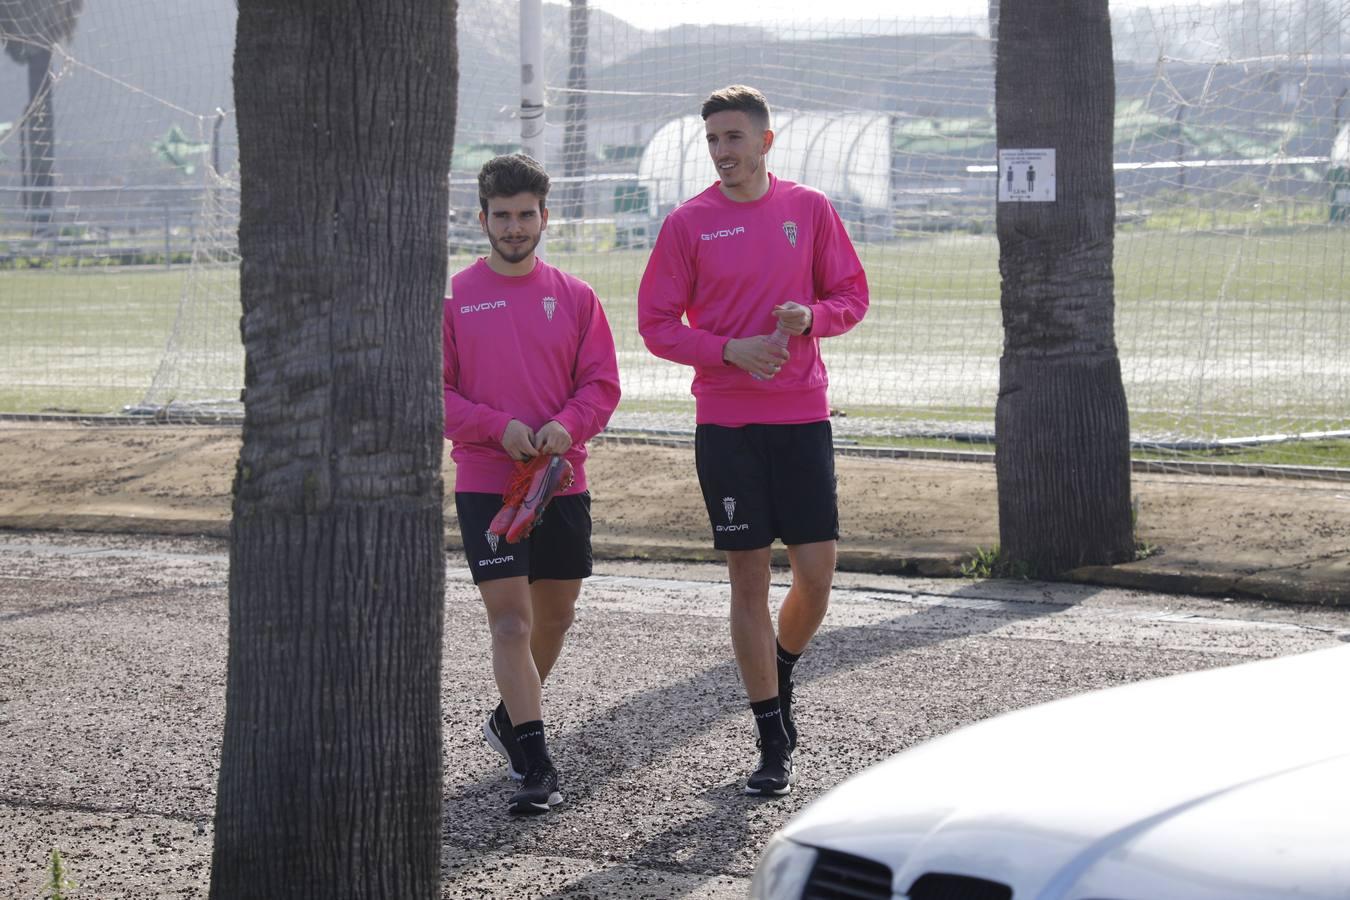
(723, 232)
(480, 307)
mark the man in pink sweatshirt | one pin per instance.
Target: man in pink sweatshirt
(744, 281)
(529, 369)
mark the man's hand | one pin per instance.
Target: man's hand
(756, 355)
(552, 438)
(794, 318)
(518, 441)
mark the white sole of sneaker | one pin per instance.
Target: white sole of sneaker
(773, 792)
(496, 744)
(530, 809)
(768, 792)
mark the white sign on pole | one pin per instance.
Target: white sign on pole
(1026, 176)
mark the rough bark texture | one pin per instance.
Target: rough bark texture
(1062, 423)
(330, 766)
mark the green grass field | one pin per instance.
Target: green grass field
(86, 339)
(1219, 336)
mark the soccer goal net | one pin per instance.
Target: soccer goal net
(119, 198)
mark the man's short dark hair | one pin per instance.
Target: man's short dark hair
(506, 176)
(739, 97)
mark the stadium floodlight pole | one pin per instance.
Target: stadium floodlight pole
(532, 78)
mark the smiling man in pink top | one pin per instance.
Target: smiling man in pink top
(750, 256)
(529, 369)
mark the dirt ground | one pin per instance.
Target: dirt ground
(1264, 538)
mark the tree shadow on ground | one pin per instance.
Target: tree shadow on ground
(620, 744)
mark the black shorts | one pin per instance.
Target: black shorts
(559, 547)
(762, 482)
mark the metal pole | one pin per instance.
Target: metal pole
(574, 128)
(532, 78)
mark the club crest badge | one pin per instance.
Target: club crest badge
(790, 229)
(492, 540)
(550, 304)
(729, 504)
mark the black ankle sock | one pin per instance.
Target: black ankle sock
(530, 736)
(769, 721)
(785, 661)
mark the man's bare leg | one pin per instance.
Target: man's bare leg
(510, 620)
(752, 639)
(800, 616)
(809, 597)
(554, 605)
(751, 625)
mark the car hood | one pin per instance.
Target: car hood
(1228, 783)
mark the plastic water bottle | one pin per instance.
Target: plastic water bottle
(779, 338)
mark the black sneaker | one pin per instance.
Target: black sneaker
(538, 793)
(773, 778)
(785, 703)
(497, 731)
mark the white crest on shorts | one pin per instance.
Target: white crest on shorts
(492, 541)
(550, 304)
(790, 229)
(729, 504)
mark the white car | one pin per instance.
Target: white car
(1227, 784)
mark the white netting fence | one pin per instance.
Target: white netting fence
(118, 270)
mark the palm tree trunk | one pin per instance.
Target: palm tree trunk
(39, 138)
(331, 760)
(1063, 463)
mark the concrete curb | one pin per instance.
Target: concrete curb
(1314, 584)
(1326, 583)
(120, 524)
(851, 559)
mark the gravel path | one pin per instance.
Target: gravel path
(112, 662)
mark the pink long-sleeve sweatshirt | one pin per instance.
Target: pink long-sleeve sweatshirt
(724, 266)
(534, 348)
